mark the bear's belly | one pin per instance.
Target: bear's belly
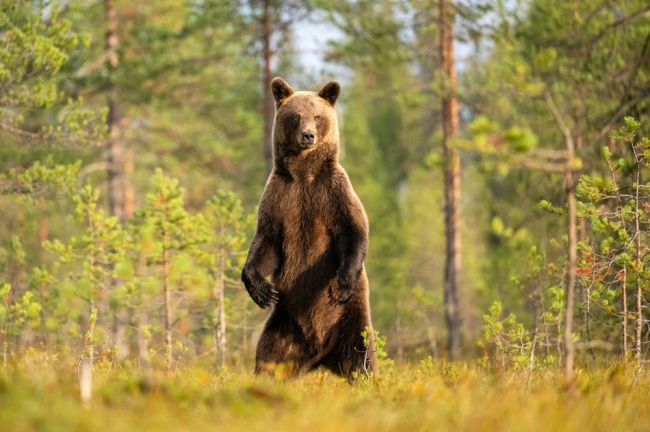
(308, 272)
(308, 266)
(308, 255)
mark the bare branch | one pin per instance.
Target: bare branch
(550, 154)
(559, 118)
(542, 166)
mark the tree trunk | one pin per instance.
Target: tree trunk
(624, 290)
(143, 339)
(267, 100)
(128, 166)
(619, 202)
(86, 380)
(451, 181)
(400, 341)
(244, 333)
(569, 349)
(118, 331)
(87, 360)
(168, 304)
(114, 147)
(120, 161)
(572, 235)
(120, 154)
(220, 311)
(43, 291)
(638, 264)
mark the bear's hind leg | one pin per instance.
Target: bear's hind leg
(350, 355)
(281, 345)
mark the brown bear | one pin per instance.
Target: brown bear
(312, 239)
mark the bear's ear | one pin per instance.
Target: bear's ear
(330, 92)
(281, 90)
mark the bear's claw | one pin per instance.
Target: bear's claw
(261, 291)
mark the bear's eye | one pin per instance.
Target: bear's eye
(292, 119)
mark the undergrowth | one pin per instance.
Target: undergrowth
(40, 392)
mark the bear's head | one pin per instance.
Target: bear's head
(305, 121)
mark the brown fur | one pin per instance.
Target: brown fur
(312, 239)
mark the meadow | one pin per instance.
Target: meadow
(40, 393)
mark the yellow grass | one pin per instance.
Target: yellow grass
(41, 393)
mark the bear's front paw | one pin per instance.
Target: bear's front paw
(261, 291)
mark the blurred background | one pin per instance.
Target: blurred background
(135, 146)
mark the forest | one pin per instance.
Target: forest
(501, 149)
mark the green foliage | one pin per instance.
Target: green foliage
(115, 267)
(226, 226)
(511, 341)
(5, 290)
(627, 132)
(99, 248)
(35, 47)
(23, 314)
(611, 260)
(164, 212)
(43, 177)
(489, 138)
(545, 205)
(383, 361)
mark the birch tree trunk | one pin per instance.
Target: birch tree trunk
(569, 349)
(220, 311)
(572, 235)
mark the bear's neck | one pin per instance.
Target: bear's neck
(306, 166)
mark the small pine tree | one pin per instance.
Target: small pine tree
(225, 224)
(172, 230)
(615, 258)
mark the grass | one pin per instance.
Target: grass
(41, 393)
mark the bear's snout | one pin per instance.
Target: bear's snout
(307, 139)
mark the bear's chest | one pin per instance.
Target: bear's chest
(306, 222)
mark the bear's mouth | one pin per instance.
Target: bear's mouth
(305, 144)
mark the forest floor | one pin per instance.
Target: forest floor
(41, 394)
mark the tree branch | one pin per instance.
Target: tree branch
(559, 118)
(622, 109)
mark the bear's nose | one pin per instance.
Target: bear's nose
(308, 137)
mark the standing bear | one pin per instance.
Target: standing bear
(311, 239)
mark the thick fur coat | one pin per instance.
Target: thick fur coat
(311, 240)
